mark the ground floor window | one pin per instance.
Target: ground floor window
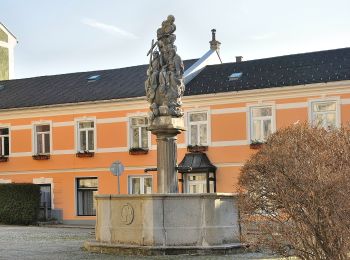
(86, 190)
(198, 174)
(196, 183)
(140, 184)
(199, 183)
(45, 196)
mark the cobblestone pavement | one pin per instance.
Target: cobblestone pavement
(22, 242)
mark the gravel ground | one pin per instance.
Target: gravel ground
(17, 242)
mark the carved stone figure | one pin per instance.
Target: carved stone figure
(153, 77)
(164, 85)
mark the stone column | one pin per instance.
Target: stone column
(166, 128)
(166, 163)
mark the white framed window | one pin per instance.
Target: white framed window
(198, 128)
(45, 196)
(4, 141)
(261, 123)
(196, 183)
(86, 135)
(325, 113)
(139, 135)
(86, 189)
(140, 184)
(46, 191)
(42, 139)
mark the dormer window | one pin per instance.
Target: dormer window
(235, 76)
(94, 78)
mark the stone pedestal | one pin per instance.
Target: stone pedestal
(166, 224)
(166, 128)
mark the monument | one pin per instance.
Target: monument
(167, 222)
(164, 88)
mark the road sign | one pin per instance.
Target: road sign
(117, 168)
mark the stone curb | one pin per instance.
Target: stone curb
(135, 250)
(66, 226)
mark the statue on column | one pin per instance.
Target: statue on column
(165, 82)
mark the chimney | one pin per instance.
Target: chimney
(214, 44)
(239, 59)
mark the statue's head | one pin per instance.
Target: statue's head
(156, 54)
(171, 18)
(172, 52)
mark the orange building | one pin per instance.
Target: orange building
(64, 131)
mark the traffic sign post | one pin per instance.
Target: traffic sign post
(117, 169)
(118, 184)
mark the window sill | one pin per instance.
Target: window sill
(138, 151)
(41, 157)
(197, 148)
(4, 158)
(256, 146)
(85, 154)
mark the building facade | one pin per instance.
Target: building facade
(7, 43)
(63, 132)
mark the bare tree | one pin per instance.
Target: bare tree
(296, 193)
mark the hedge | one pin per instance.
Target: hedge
(19, 203)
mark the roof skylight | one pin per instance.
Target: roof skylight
(2, 87)
(93, 78)
(235, 75)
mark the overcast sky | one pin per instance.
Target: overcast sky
(62, 36)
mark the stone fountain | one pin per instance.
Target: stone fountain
(166, 222)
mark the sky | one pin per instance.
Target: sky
(64, 36)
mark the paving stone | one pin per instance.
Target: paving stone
(23, 242)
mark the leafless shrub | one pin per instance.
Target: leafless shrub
(296, 193)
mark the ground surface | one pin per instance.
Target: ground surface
(17, 242)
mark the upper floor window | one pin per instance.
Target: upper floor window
(140, 184)
(324, 114)
(86, 136)
(138, 132)
(198, 128)
(260, 123)
(42, 139)
(4, 142)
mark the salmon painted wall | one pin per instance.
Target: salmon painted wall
(228, 146)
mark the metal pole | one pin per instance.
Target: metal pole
(118, 185)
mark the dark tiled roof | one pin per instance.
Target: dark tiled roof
(74, 87)
(290, 70)
(196, 162)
